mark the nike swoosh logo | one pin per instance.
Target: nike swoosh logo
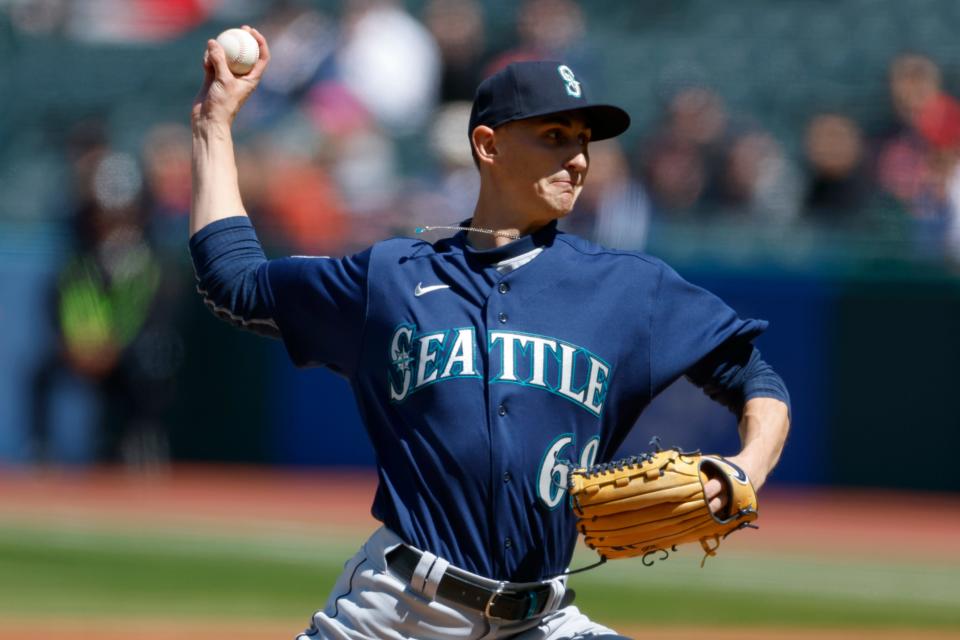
(422, 290)
(740, 474)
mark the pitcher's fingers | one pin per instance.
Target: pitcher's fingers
(219, 58)
(712, 489)
(264, 58)
(207, 76)
(715, 505)
(207, 67)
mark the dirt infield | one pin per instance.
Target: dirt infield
(195, 493)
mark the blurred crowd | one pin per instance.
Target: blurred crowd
(358, 132)
(902, 177)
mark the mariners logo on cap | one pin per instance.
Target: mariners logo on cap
(572, 85)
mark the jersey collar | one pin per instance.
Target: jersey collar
(542, 237)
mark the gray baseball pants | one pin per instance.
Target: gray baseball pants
(369, 602)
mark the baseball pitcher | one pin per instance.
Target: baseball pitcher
(497, 371)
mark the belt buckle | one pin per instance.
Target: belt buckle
(493, 596)
(532, 608)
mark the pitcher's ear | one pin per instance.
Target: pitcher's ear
(484, 142)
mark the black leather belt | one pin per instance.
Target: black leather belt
(459, 587)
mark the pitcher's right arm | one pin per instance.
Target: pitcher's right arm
(216, 191)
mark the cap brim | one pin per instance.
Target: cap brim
(605, 120)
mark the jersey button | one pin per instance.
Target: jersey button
(504, 287)
(507, 543)
(502, 317)
(507, 477)
(502, 410)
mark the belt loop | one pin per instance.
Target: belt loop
(419, 578)
(557, 589)
(434, 575)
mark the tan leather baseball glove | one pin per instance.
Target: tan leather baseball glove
(647, 504)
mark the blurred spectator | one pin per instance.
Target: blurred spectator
(675, 174)
(112, 329)
(546, 30)
(335, 111)
(550, 26)
(390, 62)
(681, 163)
(302, 199)
(458, 28)
(838, 184)
(914, 80)
(166, 168)
(937, 120)
(911, 164)
(302, 40)
(758, 180)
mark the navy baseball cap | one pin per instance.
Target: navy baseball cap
(530, 89)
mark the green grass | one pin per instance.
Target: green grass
(170, 575)
(756, 589)
(98, 574)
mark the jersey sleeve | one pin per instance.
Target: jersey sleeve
(227, 258)
(319, 305)
(734, 373)
(688, 323)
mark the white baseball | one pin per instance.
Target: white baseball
(241, 49)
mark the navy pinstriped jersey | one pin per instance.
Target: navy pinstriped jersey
(482, 376)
